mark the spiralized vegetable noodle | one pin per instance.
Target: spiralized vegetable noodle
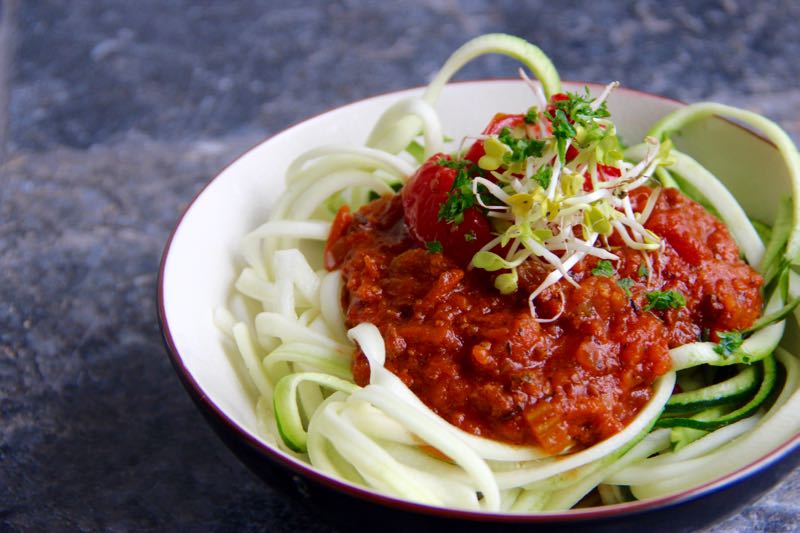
(737, 390)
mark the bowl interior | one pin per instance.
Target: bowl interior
(203, 258)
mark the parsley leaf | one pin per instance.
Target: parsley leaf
(579, 107)
(603, 268)
(450, 163)
(662, 300)
(626, 284)
(470, 236)
(729, 342)
(543, 176)
(521, 149)
(460, 198)
(434, 247)
(562, 131)
(643, 272)
(576, 110)
(531, 115)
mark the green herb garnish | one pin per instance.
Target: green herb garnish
(521, 149)
(573, 118)
(543, 176)
(626, 284)
(562, 131)
(603, 268)
(662, 300)
(643, 272)
(434, 247)
(531, 115)
(579, 107)
(460, 198)
(456, 164)
(729, 342)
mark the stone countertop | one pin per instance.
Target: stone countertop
(119, 113)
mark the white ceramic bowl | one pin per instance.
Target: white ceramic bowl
(202, 258)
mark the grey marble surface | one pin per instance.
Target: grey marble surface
(114, 113)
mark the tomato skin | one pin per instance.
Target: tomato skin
(608, 173)
(558, 97)
(424, 195)
(496, 125)
(605, 173)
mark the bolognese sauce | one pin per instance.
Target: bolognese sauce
(483, 361)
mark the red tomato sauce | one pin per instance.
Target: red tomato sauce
(478, 358)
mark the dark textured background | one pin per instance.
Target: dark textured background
(114, 113)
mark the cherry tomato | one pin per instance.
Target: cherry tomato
(608, 173)
(496, 125)
(558, 97)
(424, 195)
(605, 173)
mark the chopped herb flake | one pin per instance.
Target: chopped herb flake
(450, 163)
(543, 176)
(626, 284)
(470, 236)
(460, 198)
(573, 118)
(563, 130)
(643, 272)
(603, 268)
(532, 115)
(729, 342)
(579, 107)
(521, 149)
(434, 247)
(663, 300)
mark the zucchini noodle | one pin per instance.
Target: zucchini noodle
(297, 350)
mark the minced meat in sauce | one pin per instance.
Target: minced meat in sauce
(482, 362)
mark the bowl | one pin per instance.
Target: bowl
(202, 258)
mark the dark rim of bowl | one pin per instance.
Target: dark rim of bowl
(623, 509)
